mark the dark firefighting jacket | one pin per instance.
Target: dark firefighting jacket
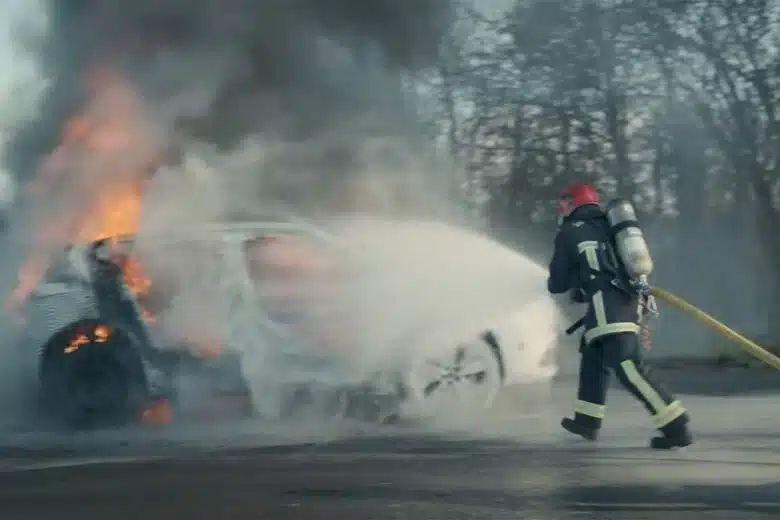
(584, 263)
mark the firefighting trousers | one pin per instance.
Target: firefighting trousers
(621, 354)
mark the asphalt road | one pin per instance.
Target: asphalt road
(509, 465)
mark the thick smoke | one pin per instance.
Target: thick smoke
(315, 86)
(222, 70)
(20, 22)
(252, 106)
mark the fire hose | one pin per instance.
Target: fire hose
(675, 301)
(757, 351)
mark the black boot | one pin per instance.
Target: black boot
(675, 435)
(586, 427)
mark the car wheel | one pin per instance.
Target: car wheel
(91, 383)
(441, 382)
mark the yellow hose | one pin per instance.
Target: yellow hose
(757, 351)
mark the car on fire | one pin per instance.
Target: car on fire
(282, 316)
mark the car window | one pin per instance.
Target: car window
(295, 277)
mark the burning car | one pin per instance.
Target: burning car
(280, 312)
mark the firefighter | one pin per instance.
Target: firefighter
(587, 264)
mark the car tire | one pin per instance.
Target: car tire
(101, 384)
(441, 382)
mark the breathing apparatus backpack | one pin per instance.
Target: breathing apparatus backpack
(634, 253)
(629, 240)
(633, 256)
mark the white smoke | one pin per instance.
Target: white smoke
(21, 87)
(425, 284)
(422, 285)
(21, 84)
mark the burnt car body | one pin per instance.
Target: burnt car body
(286, 345)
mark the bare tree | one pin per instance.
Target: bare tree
(673, 104)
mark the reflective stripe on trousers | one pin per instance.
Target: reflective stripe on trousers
(663, 413)
(597, 411)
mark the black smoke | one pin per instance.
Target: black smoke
(295, 67)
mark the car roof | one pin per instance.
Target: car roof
(235, 230)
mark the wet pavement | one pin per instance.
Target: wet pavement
(509, 465)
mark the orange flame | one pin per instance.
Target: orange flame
(90, 186)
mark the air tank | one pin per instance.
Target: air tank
(629, 239)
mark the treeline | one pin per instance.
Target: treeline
(672, 103)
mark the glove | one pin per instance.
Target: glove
(578, 296)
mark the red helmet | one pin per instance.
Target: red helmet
(576, 195)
